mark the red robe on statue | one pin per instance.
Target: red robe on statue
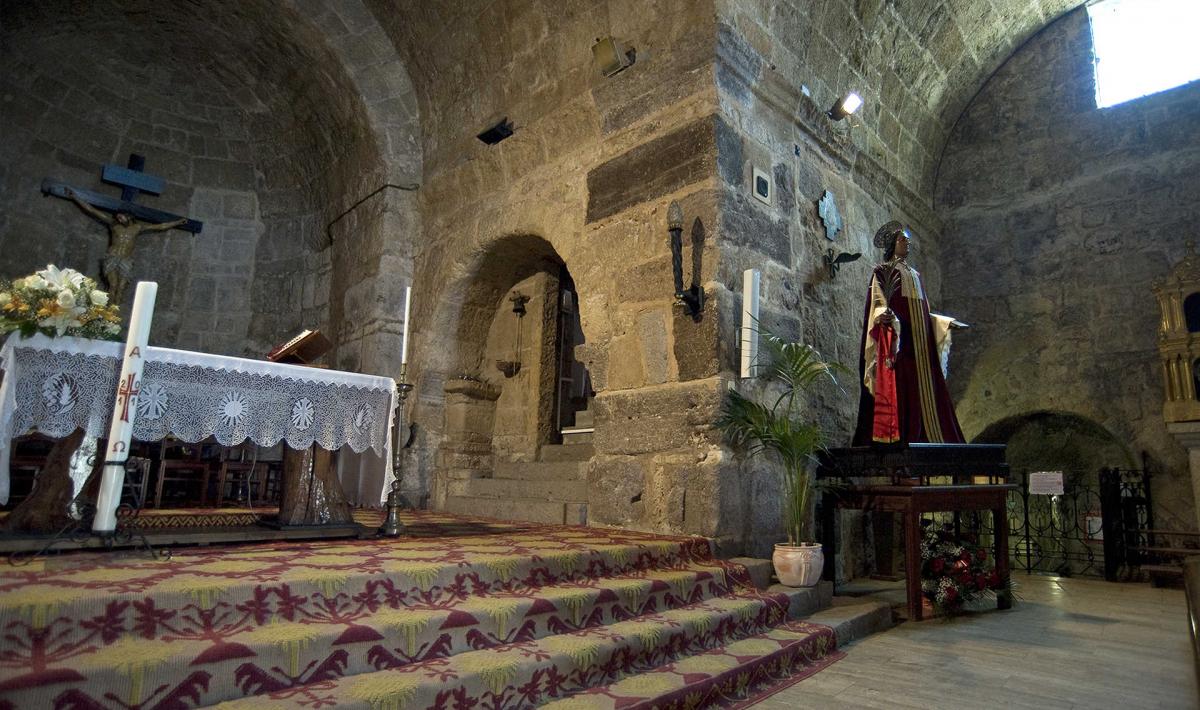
(904, 398)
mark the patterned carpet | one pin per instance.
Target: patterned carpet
(459, 613)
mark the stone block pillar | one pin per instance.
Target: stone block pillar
(1188, 435)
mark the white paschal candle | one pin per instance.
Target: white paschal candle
(120, 431)
(404, 338)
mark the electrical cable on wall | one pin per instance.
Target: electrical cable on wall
(412, 187)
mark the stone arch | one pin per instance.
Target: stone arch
(1050, 440)
(466, 414)
(501, 264)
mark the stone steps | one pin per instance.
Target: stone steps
(534, 510)
(529, 673)
(575, 451)
(261, 657)
(541, 471)
(566, 491)
(211, 624)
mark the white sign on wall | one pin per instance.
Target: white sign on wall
(1046, 483)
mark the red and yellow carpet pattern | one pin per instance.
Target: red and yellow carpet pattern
(457, 614)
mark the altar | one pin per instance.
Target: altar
(58, 385)
(909, 480)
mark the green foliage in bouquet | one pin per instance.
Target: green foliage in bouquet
(58, 302)
(954, 572)
(780, 428)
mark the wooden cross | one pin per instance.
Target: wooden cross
(133, 182)
(128, 390)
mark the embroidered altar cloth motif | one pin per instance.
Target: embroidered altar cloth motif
(56, 385)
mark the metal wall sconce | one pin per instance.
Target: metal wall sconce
(511, 367)
(693, 298)
(833, 263)
(845, 106)
(611, 56)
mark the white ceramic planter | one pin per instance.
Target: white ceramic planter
(798, 565)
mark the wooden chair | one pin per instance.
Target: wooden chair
(270, 485)
(240, 473)
(28, 457)
(137, 477)
(188, 468)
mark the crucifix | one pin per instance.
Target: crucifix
(128, 218)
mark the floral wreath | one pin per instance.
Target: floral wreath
(58, 302)
(954, 572)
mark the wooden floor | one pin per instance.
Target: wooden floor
(1067, 643)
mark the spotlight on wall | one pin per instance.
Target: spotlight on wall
(611, 56)
(846, 106)
(495, 134)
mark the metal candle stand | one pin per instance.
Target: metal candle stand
(392, 527)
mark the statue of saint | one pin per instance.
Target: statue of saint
(123, 229)
(905, 349)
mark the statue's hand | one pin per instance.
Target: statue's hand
(885, 318)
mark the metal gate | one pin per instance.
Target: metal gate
(1089, 530)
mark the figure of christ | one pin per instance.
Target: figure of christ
(123, 229)
(904, 398)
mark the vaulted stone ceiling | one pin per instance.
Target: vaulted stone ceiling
(918, 62)
(267, 71)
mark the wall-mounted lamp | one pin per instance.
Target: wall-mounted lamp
(693, 298)
(845, 106)
(512, 367)
(835, 262)
(611, 56)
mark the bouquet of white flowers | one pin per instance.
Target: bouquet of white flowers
(58, 302)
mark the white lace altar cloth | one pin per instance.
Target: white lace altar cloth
(57, 385)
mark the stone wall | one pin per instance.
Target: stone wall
(769, 82)
(585, 180)
(62, 122)
(1058, 218)
(525, 407)
(270, 123)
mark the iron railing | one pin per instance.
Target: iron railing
(1088, 530)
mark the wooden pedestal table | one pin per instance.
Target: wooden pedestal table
(312, 493)
(909, 502)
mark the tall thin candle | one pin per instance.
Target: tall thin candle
(404, 340)
(120, 430)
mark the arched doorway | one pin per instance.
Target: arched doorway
(1059, 533)
(516, 436)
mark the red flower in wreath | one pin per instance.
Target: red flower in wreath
(937, 564)
(965, 579)
(981, 555)
(981, 582)
(965, 556)
(951, 595)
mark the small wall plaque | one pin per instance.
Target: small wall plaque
(828, 210)
(1046, 483)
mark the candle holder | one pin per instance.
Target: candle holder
(692, 299)
(392, 527)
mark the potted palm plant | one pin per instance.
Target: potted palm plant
(780, 429)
